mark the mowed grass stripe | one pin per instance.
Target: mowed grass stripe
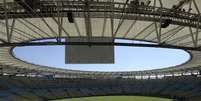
(116, 98)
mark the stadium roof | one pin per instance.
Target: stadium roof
(170, 23)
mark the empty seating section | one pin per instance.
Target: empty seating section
(39, 89)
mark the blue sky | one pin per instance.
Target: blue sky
(126, 58)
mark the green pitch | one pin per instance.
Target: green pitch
(116, 98)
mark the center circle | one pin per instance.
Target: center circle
(126, 58)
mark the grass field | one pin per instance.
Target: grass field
(116, 98)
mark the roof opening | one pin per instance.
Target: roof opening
(125, 58)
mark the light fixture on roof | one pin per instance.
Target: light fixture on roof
(165, 23)
(70, 17)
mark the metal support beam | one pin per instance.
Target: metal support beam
(30, 28)
(155, 24)
(104, 22)
(161, 16)
(173, 33)
(11, 30)
(145, 13)
(181, 4)
(143, 30)
(196, 7)
(60, 22)
(192, 36)
(33, 12)
(121, 20)
(197, 26)
(77, 27)
(129, 29)
(112, 18)
(6, 20)
(88, 20)
(35, 26)
(97, 44)
(161, 3)
(157, 33)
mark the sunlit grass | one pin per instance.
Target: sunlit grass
(116, 98)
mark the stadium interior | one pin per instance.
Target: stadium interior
(89, 28)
